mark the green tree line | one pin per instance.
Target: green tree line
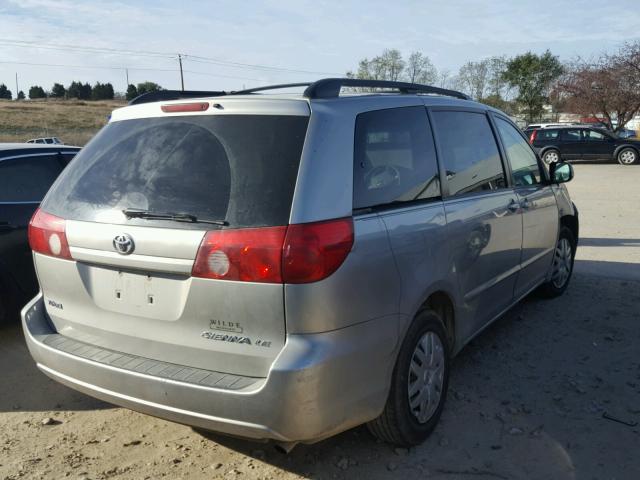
(79, 90)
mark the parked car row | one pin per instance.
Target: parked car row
(46, 140)
(26, 173)
(580, 142)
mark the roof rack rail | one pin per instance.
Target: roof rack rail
(270, 87)
(330, 87)
(159, 95)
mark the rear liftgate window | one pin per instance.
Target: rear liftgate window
(238, 168)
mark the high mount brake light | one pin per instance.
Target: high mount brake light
(185, 107)
(300, 253)
(47, 235)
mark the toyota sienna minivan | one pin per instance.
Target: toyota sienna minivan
(288, 266)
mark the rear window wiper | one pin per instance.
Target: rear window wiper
(176, 217)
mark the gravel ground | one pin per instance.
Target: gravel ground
(528, 397)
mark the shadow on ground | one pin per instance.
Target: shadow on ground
(610, 242)
(25, 388)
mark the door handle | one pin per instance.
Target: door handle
(513, 206)
(6, 226)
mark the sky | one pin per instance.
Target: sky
(304, 39)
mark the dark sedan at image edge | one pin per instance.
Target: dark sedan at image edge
(576, 142)
(26, 173)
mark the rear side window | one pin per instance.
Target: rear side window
(469, 152)
(27, 179)
(394, 158)
(571, 136)
(593, 136)
(238, 168)
(524, 164)
(547, 134)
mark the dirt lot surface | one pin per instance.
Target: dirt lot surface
(73, 121)
(527, 401)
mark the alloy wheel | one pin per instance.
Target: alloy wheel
(627, 157)
(551, 157)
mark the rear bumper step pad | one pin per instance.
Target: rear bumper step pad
(154, 368)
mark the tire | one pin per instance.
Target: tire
(627, 156)
(562, 267)
(550, 156)
(399, 423)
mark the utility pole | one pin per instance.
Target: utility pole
(17, 86)
(126, 71)
(181, 75)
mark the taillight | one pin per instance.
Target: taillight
(47, 235)
(185, 107)
(250, 255)
(301, 253)
(532, 137)
(313, 251)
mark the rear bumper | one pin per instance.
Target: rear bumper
(319, 385)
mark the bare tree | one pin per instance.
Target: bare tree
(419, 69)
(473, 79)
(607, 87)
(388, 66)
(444, 79)
(497, 86)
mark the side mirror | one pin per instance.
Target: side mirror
(561, 172)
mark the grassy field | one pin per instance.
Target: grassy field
(73, 121)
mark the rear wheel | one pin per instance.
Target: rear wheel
(418, 386)
(627, 156)
(551, 156)
(562, 267)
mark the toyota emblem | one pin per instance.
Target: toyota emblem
(123, 244)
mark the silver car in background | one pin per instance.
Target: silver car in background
(289, 266)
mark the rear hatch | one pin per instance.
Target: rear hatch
(139, 206)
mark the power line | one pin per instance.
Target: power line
(9, 62)
(155, 54)
(83, 49)
(213, 61)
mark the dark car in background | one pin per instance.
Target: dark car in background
(26, 173)
(578, 142)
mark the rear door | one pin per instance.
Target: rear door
(538, 206)
(239, 169)
(24, 181)
(484, 223)
(396, 175)
(571, 144)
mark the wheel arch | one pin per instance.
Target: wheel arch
(571, 222)
(441, 302)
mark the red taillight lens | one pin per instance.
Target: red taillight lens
(313, 251)
(47, 235)
(532, 137)
(185, 107)
(250, 255)
(301, 253)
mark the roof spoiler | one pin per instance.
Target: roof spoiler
(159, 95)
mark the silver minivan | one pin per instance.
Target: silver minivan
(289, 266)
